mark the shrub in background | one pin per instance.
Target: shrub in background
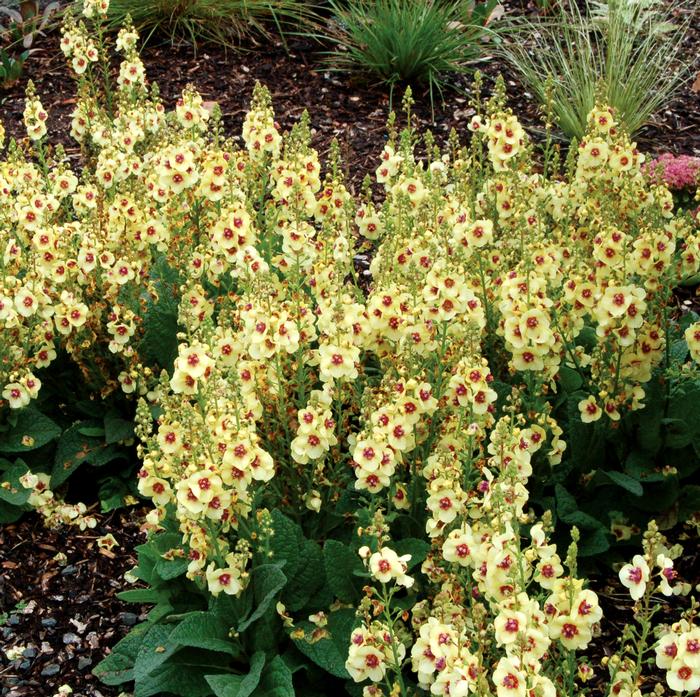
(226, 22)
(629, 56)
(408, 41)
(20, 24)
(680, 173)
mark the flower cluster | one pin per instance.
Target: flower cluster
(425, 397)
(678, 653)
(678, 172)
(55, 511)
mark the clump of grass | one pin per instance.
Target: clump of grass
(628, 57)
(225, 22)
(418, 42)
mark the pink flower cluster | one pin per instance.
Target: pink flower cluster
(678, 172)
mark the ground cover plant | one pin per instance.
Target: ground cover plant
(358, 483)
(20, 24)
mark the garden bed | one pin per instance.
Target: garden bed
(58, 588)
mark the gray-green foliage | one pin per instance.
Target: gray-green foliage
(227, 646)
(627, 53)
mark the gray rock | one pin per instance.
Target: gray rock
(51, 669)
(84, 662)
(48, 622)
(70, 638)
(129, 618)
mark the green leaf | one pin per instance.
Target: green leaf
(286, 543)
(117, 667)
(593, 542)
(568, 510)
(32, 430)
(678, 351)
(105, 454)
(340, 562)
(418, 549)
(266, 581)
(10, 513)
(569, 379)
(230, 608)
(238, 685)
(168, 569)
(117, 428)
(625, 481)
(678, 433)
(689, 501)
(140, 595)
(308, 580)
(155, 649)
(92, 431)
(112, 493)
(660, 496)
(72, 450)
(583, 439)
(204, 630)
(640, 466)
(267, 634)
(11, 489)
(685, 405)
(330, 653)
(171, 568)
(276, 680)
(649, 419)
(159, 343)
(172, 679)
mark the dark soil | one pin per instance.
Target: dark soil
(63, 611)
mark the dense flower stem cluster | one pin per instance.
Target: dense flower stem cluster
(427, 395)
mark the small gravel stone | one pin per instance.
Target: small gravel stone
(51, 669)
(29, 652)
(25, 665)
(128, 618)
(13, 620)
(48, 622)
(70, 638)
(70, 570)
(84, 662)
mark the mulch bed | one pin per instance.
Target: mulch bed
(65, 611)
(58, 602)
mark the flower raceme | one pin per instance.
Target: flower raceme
(295, 385)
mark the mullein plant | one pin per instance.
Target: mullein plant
(293, 389)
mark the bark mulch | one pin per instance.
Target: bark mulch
(58, 602)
